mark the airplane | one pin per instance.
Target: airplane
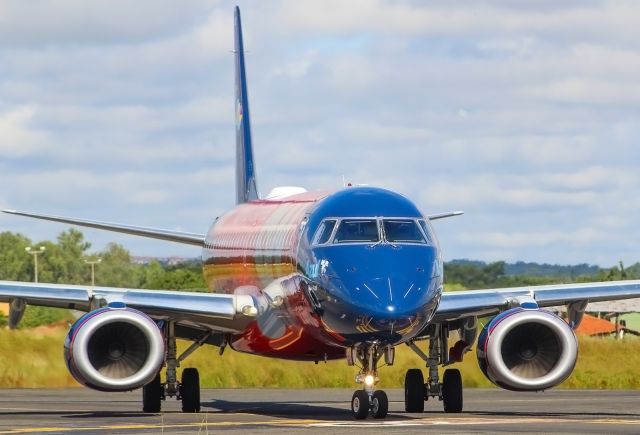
(313, 276)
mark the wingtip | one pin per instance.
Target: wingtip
(6, 210)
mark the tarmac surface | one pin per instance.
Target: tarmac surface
(80, 411)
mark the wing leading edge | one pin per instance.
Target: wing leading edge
(455, 305)
(220, 312)
(153, 233)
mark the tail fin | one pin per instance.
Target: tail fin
(246, 186)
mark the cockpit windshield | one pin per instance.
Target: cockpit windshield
(402, 231)
(357, 230)
(324, 232)
(373, 230)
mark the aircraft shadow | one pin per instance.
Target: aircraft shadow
(73, 414)
(318, 410)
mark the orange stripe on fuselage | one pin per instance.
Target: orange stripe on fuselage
(253, 244)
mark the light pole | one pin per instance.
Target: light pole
(35, 252)
(93, 263)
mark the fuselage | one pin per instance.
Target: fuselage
(327, 269)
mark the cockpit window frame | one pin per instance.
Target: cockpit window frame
(428, 240)
(320, 231)
(427, 230)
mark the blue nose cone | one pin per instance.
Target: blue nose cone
(384, 289)
(389, 295)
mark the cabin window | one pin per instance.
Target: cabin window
(323, 234)
(357, 230)
(402, 231)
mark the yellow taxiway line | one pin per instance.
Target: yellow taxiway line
(413, 422)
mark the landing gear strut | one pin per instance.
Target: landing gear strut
(368, 400)
(449, 391)
(188, 391)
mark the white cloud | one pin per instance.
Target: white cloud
(17, 136)
(525, 115)
(570, 21)
(100, 21)
(523, 240)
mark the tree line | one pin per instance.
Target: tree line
(461, 275)
(63, 262)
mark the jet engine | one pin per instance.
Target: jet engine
(527, 350)
(114, 349)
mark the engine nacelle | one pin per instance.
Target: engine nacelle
(114, 349)
(527, 350)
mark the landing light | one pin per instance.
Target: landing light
(249, 311)
(391, 308)
(369, 380)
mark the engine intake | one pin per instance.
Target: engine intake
(527, 350)
(114, 349)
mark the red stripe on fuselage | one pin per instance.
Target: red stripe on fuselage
(254, 246)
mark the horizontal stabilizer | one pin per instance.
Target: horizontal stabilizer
(153, 233)
(433, 217)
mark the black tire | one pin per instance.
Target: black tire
(190, 390)
(452, 390)
(414, 391)
(152, 396)
(360, 405)
(379, 404)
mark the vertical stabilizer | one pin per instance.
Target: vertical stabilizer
(246, 186)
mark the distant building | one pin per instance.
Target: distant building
(165, 261)
(609, 318)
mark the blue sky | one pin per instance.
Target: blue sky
(523, 115)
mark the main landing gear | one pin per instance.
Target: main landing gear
(187, 390)
(449, 391)
(368, 400)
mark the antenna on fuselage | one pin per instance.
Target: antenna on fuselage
(246, 184)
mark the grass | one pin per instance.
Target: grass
(33, 358)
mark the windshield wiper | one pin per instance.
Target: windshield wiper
(373, 245)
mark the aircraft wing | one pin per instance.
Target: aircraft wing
(153, 233)
(210, 311)
(455, 305)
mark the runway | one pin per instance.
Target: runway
(79, 411)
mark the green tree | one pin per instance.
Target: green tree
(154, 276)
(181, 277)
(474, 276)
(73, 248)
(116, 269)
(63, 262)
(15, 263)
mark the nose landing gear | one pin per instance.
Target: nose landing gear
(368, 400)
